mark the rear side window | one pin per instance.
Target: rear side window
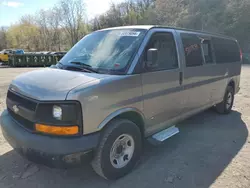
(192, 48)
(226, 51)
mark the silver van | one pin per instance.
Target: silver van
(116, 87)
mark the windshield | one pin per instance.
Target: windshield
(109, 51)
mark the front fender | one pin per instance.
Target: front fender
(117, 113)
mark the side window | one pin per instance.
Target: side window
(226, 51)
(192, 48)
(167, 55)
(207, 50)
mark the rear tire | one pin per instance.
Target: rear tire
(119, 149)
(225, 107)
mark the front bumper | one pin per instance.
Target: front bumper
(52, 151)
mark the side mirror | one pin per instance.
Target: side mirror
(152, 56)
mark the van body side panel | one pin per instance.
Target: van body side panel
(218, 82)
(161, 89)
(197, 88)
(205, 85)
(161, 93)
(198, 83)
(237, 83)
(102, 98)
(228, 72)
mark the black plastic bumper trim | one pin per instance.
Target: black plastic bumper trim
(42, 145)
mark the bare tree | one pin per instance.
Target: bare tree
(3, 38)
(54, 24)
(42, 20)
(72, 14)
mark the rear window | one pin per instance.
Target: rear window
(192, 48)
(226, 51)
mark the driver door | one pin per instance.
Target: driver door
(162, 84)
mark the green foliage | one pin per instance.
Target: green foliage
(23, 35)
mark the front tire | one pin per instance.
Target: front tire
(225, 107)
(119, 149)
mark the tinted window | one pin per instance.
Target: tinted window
(207, 50)
(192, 48)
(167, 56)
(226, 51)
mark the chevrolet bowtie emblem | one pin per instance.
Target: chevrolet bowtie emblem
(15, 109)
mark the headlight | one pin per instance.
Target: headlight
(57, 112)
(59, 117)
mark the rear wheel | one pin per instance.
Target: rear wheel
(225, 107)
(119, 149)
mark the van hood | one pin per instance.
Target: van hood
(51, 84)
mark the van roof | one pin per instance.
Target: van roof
(148, 27)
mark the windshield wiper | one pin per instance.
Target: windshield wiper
(80, 63)
(84, 67)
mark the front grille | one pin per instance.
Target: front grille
(22, 118)
(22, 121)
(26, 103)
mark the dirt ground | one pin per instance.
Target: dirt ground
(211, 151)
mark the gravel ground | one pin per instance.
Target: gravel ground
(211, 151)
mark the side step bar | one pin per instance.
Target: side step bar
(165, 134)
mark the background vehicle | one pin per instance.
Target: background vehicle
(19, 52)
(124, 84)
(3, 56)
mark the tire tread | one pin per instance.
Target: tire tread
(96, 162)
(220, 108)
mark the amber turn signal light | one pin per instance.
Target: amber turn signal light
(57, 130)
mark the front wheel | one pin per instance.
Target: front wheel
(225, 107)
(119, 149)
